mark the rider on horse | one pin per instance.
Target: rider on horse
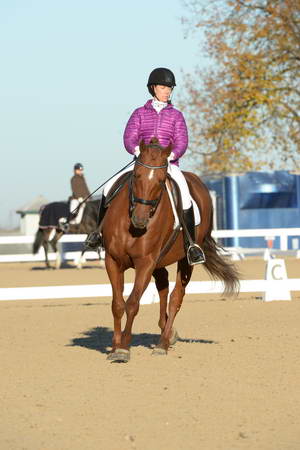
(158, 118)
(79, 192)
(76, 205)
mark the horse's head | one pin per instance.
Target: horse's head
(148, 182)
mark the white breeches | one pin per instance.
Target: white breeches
(175, 173)
(178, 176)
(73, 204)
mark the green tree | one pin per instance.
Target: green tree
(243, 109)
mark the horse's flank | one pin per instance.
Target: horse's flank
(217, 266)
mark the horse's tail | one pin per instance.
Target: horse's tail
(218, 266)
(37, 241)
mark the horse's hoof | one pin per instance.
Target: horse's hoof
(174, 337)
(119, 355)
(158, 351)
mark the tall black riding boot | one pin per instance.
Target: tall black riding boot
(194, 252)
(94, 239)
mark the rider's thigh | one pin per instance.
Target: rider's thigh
(74, 203)
(178, 176)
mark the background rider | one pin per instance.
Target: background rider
(80, 191)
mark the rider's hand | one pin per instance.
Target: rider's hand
(137, 151)
(171, 157)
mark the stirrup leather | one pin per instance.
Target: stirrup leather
(200, 258)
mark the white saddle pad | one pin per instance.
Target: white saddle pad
(196, 212)
(195, 209)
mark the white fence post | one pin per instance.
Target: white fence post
(283, 242)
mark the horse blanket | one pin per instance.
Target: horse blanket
(52, 212)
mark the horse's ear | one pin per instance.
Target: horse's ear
(154, 140)
(168, 149)
(142, 145)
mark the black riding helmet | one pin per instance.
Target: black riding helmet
(162, 76)
(78, 166)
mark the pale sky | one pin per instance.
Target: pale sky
(72, 72)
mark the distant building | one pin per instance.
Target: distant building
(29, 213)
(257, 200)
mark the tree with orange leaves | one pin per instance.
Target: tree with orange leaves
(244, 109)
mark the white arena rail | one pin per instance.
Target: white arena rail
(149, 296)
(30, 239)
(40, 256)
(282, 233)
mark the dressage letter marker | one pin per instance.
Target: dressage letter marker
(277, 281)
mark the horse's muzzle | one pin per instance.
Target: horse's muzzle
(139, 222)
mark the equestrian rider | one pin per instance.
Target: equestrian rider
(79, 192)
(158, 118)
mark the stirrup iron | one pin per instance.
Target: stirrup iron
(93, 241)
(191, 261)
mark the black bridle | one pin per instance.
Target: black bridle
(134, 199)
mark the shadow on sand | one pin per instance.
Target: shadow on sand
(100, 339)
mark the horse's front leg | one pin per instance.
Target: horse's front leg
(116, 276)
(143, 272)
(184, 273)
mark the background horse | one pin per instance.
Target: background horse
(138, 232)
(49, 217)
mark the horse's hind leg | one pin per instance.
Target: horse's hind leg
(116, 277)
(161, 277)
(55, 239)
(45, 246)
(184, 273)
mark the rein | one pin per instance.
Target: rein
(101, 185)
(137, 200)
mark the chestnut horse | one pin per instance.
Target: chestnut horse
(137, 232)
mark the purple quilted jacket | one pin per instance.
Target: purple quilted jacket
(168, 126)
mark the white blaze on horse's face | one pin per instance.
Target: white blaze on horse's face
(151, 174)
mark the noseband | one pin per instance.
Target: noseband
(153, 203)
